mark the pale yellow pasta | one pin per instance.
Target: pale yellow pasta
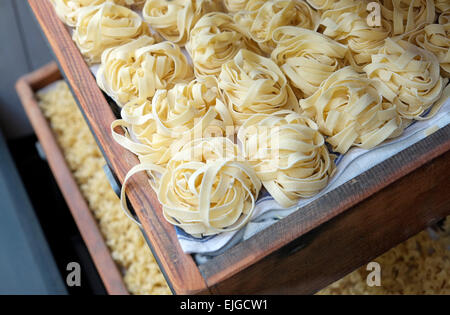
(234, 6)
(214, 40)
(136, 70)
(174, 117)
(349, 109)
(407, 15)
(306, 57)
(174, 19)
(260, 19)
(254, 85)
(207, 190)
(442, 5)
(67, 10)
(104, 26)
(288, 154)
(435, 38)
(347, 24)
(408, 76)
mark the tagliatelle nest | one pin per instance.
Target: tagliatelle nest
(175, 19)
(307, 58)
(408, 76)
(215, 40)
(435, 38)
(208, 189)
(124, 239)
(288, 154)
(136, 70)
(174, 117)
(260, 18)
(104, 26)
(349, 110)
(254, 85)
(346, 22)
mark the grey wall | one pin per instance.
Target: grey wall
(22, 49)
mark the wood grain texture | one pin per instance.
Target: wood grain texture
(78, 206)
(179, 269)
(376, 193)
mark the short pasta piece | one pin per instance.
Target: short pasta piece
(215, 40)
(307, 58)
(260, 18)
(104, 26)
(350, 111)
(288, 154)
(408, 76)
(136, 70)
(255, 85)
(174, 19)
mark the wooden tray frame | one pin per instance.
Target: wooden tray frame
(26, 88)
(300, 254)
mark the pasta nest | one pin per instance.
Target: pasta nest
(350, 111)
(206, 190)
(214, 40)
(288, 154)
(407, 15)
(174, 117)
(260, 19)
(254, 85)
(408, 76)
(174, 19)
(139, 68)
(104, 26)
(67, 10)
(234, 6)
(347, 24)
(306, 57)
(435, 38)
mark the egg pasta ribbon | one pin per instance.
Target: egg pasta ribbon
(288, 154)
(104, 26)
(156, 130)
(350, 111)
(214, 40)
(407, 76)
(260, 18)
(307, 58)
(136, 70)
(253, 84)
(174, 19)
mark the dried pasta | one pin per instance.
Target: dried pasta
(174, 117)
(435, 38)
(408, 76)
(350, 111)
(174, 19)
(347, 24)
(307, 58)
(253, 84)
(104, 26)
(288, 154)
(234, 6)
(136, 70)
(214, 40)
(260, 18)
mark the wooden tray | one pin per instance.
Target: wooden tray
(26, 88)
(302, 253)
